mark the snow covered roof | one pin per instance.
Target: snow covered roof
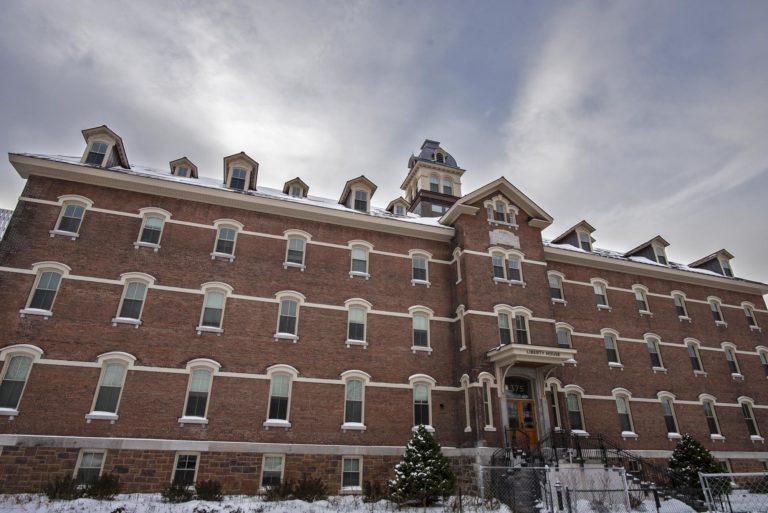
(5, 218)
(261, 191)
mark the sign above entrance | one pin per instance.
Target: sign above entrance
(517, 388)
(525, 355)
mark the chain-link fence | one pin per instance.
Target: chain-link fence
(736, 492)
(521, 489)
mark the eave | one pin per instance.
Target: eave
(653, 271)
(28, 166)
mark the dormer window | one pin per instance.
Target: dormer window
(585, 241)
(296, 191)
(399, 210)
(660, 254)
(182, 171)
(97, 153)
(361, 201)
(237, 178)
(183, 168)
(240, 172)
(725, 265)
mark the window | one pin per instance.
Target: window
(150, 232)
(668, 411)
(97, 153)
(185, 470)
(110, 387)
(419, 268)
(182, 171)
(749, 313)
(434, 183)
(272, 471)
(499, 211)
(359, 252)
(725, 265)
(641, 299)
(399, 210)
(356, 321)
(295, 250)
(44, 293)
(238, 177)
(749, 417)
(730, 357)
(351, 476)
(497, 260)
(439, 157)
(486, 381)
(288, 313)
(660, 254)
(14, 380)
(89, 466)
(197, 394)
(717, 314)
(447, 186)
(420, 330)
(694, 357)
(133, 300)
(421, 404)
(709, 414)
(438, 209)
(563, 337)
(601, 299)
(213, 311)
(555, 287)
(679, 301)
(521, 329)
(225, 241)
(625, 417)
(653, 351)
(514, 268)
(353, 404)
(764, 360)
(71, 217)
(278, 397)
(585, 241)
(611, 349)
(505, 334)
(296, 191)
(575, 418)
(361, 201)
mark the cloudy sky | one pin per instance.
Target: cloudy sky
(642, 117)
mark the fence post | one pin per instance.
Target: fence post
(559, 495)
(603, 452)
(568, 499)
(707, 492)
(579, 456)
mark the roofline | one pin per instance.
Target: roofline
(27, 166)
(646, 244)
(727, 254)
(614, 264)
(583, 222)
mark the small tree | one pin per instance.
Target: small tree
(423, 475)
(688, 459)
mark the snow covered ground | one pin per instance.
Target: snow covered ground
(152, 503)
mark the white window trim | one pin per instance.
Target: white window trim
(717, 302)
(745, 305)
(365, 378)
(110, 145)
(684, 299)
(589, 238)
(428, 313)
(727, 262)
(103, 452)
(353, 190)
(367, 247)
(263, 461)
(513, 312)
(239, 164)
(656, 340)
(205, 288)
(561, 279)
(659, 247)
(487, 382)
(627, 396)
(604, 283)
(465, 387)
(567, 327)
(217, 226)
(352, 489)
(366, 306)
(661, 396)
(64, 201)
(126, 279)
(430, 382)
(427, 256)
(762, 351)
(726, 346)
(6, 354)
(199, 364)
(292, 373)
(509, 210)
(579, 393)
(296, 234)
(643, 290)
(688, 341)
(39, 268)
(615, 334)
(145, 214)
(741, 400)
(103, 360)
(176, 463)
(707, 398)
(291, 295)
(507, 255)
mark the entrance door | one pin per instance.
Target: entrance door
(521, 413)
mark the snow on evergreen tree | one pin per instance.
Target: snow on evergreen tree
(423, 475)
(688, 459)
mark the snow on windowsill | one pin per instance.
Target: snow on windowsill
(674, 436)
(285, 336)
(559, 301)
(468, 429)
(276, 424)
(604, 307)
(421, 349)
(209, 329)
(615, 365)
(628, 434)
(101, 415)
(646, 312)
(755, 328)
(361, 343)
(659, 369)
(420, 282)
(717, 438)
(497, 280)
(503, 223)
(62, 233)
(700, 373)
(757, 438)
(579, 432)
(489, 428)
(353, 426)
(139, 244)
(737, 376)
(352, 274)
(721, 323)
(429, 428)
(301, 267)
(36, 311)
(684, 318)
(11, 413)
(223, 256)
(192, 420)
(351, 490)
(126, 320)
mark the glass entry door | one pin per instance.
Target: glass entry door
(521, 413)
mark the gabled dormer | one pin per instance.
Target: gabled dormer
(433, 182)
(357, 194)
(398, 207)
(653, 250)
(718, 262)
(578, 235)
(296, 188)
(183, 168)
(104, 148)
(240, 172)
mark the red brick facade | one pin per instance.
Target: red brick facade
(47, 431)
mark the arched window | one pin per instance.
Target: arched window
(679, 299)
(641, 298)
(359, 252)
(201, 372)
(153, 221)
(717, 313)
(510, 318)
(420, 267)
(626, 425)
(668, 411)
(226, 239)
(730, 357)
(281, 381)
(601, 295)
(421, 316)
(710, 415)
(71, 216)
(611, 347)
(106, 401)
(288, 315)
(447, 186)
(749, 313)
(357, 320)
(18, 360)
(295, 248)
(214, 300)
(45, 289)
(747, 411)
(434, 183)
(555, 287)
(573, 403)
(354, 399)
(652, 343)
(763, 354)
(133, 298)
(422, 400)
(564, 332)
(692, 346)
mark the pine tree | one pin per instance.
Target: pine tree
(423, 475)
(688, 459)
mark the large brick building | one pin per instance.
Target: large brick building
(163, 325)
